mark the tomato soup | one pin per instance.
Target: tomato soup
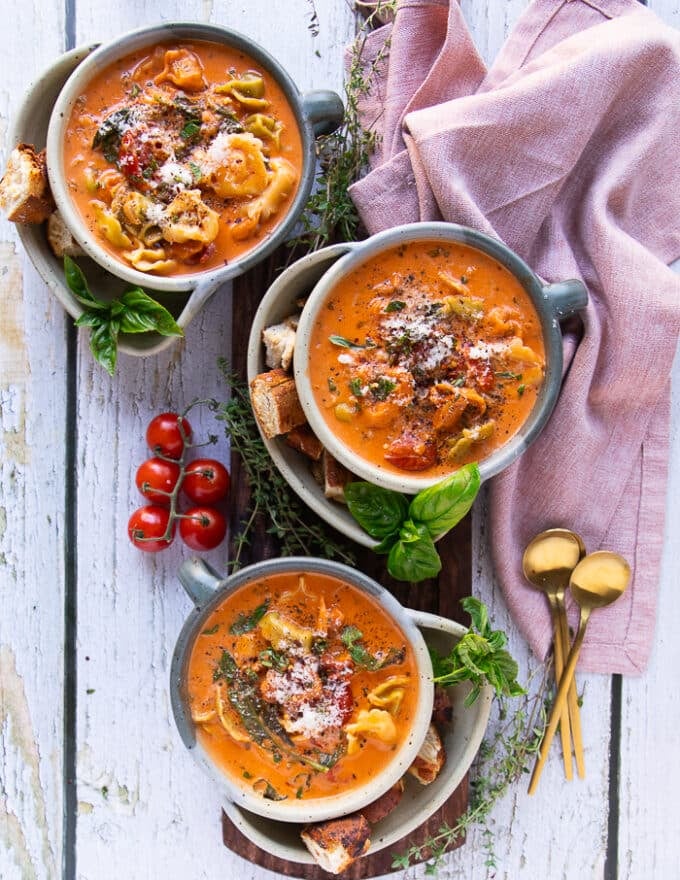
(301, 686)
(182, 157)
(426, 357)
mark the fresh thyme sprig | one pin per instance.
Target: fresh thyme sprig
(270, 494)
(330, 214)
(502, 760)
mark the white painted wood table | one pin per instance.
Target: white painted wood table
(94, 782)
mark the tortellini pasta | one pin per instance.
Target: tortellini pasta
(376, 723)
(110, 226)
(238, 166)
(188, 218)
(389, 694)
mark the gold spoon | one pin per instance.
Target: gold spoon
(598, 580)
(548, 561)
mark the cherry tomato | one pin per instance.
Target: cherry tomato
(156, 478)
(164, 436)
(148, 525)
(202, 528)
(206, 481)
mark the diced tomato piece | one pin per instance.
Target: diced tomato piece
(343, 698)
(411, 452)
(132, 156)
(481, 373)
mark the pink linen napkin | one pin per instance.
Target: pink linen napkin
(567, 149)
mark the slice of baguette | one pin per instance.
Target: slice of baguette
(276, 403)
(430, 758)
(305, 441)
(337, 843)
(25, 195)
(59, 238)
(381, 808)
(279, 343)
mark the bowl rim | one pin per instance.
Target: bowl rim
(362, 251)
(103, 56)
(320, 808)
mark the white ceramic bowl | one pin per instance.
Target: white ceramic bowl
(461, 738)
(551, 301)
(315, 112)
(208, 590)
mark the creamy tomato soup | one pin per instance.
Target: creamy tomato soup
(301, 686)
(182, 157)
(426, 357)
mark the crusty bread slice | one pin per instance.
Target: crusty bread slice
(276, 403)
(383, 806)
(25, 195)
(279, 343)
(305, 441)
(430, 758)
(337, 843)
(59, 238)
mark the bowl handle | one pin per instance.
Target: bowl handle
(199, 579)
(566, 297)
(424, 618)
(324, 110)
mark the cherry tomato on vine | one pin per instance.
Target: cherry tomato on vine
(164, 436)
(206, 481)
(147, 527)
(202, 528)
(156, 478)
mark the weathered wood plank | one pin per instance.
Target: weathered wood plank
(32, 434)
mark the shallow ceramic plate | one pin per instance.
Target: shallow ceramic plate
(278, 303)
(31, 128)
(461, 738)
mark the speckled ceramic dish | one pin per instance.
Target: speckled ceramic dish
(208, 590)
(461, 738)
(552, 302)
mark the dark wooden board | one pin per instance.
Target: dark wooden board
(441, 596)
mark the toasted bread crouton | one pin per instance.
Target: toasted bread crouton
(430, 758)
(332, 476)
(380, 809)
(336, 844)
(305, 441)
(276, 403)
(442, 708)
(59, 238)
(279, 343)
(25, 195)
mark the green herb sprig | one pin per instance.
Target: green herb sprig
(351, 636)
(479, 657)
(406, 530)
(270, 494)
(134, 312)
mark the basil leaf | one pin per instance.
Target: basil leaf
(246, 622)
(77, 284)
(104, 343)
(443, 505)
(414, 559)
(380, 512)
(386, 544)
(480, 617)
(141, 313)
(343, 342)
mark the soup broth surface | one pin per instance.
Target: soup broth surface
(426, 357)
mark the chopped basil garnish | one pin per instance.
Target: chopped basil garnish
(246, 622)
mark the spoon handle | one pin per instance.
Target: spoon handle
(560, 700)
(572, 696)
(559, 655)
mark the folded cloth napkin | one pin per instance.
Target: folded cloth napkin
(567, 149)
